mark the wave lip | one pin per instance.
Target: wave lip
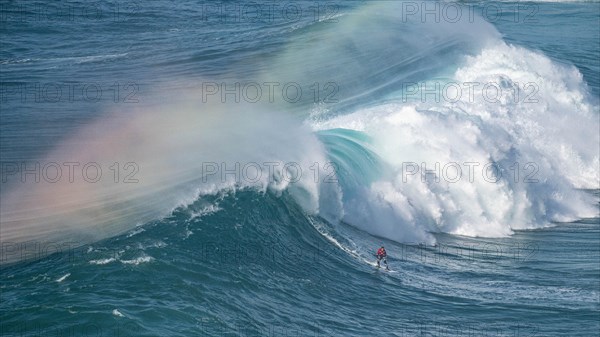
(171, 148)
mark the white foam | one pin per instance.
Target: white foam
(207, 210)
(558, 134)
(103, 261)
(139, 260)
(117, 313)
(62, 278)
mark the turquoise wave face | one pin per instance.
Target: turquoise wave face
(356, 165)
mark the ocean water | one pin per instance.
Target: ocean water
(230, 168)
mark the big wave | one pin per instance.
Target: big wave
(385, 142)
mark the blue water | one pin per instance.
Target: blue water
(218, 214)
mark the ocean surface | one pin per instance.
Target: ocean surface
(200, 168)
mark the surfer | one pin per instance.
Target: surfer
(382, 255)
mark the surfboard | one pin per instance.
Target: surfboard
(386, 270)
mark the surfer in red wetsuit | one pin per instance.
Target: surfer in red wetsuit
(382, 255)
